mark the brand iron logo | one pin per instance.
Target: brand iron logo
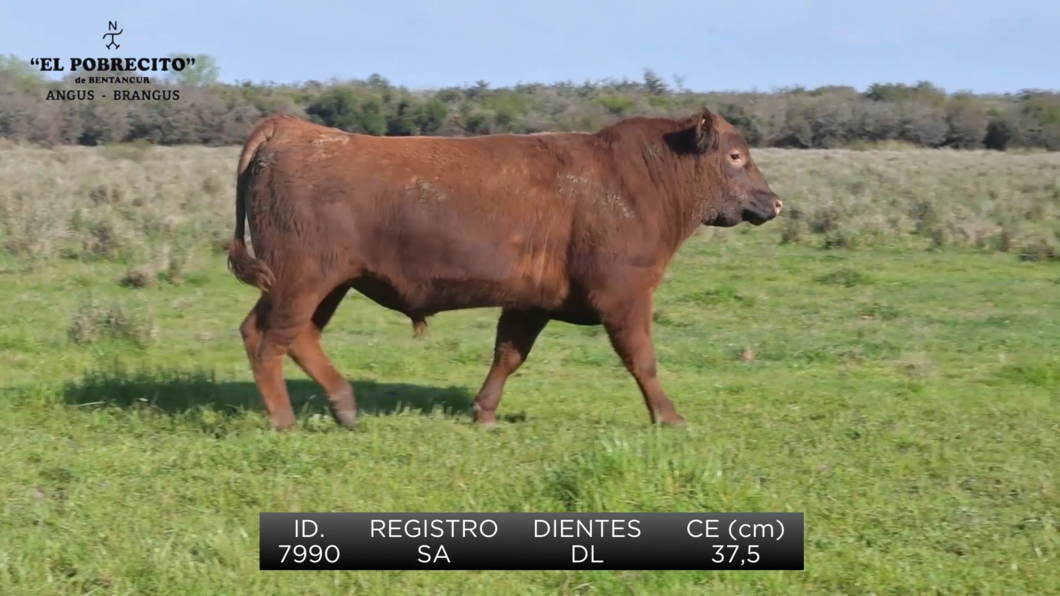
(112, 25)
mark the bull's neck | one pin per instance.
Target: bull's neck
(688, 198)
(666, 181)
(678, 199)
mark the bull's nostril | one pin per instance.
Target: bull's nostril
(779, 206)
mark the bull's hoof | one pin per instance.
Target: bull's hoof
(488, 427)
(346, 418)
(673, 421)
(485, 420)
(282, 424)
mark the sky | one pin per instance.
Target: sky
(426, 44)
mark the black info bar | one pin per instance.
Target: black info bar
(531, 541)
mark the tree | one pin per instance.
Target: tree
(350, 110)
(19, 70)
(654, 83)
(204, 73)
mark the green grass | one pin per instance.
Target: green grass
(901, 389)
(907, 401)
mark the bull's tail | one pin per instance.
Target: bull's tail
(246, 268)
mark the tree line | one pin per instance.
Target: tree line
(209, 112)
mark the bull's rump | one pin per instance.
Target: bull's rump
(437, 224)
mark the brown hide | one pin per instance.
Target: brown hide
(575, 227)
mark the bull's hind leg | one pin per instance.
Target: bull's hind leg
(271, 327)
(307, 352)
(516, 333)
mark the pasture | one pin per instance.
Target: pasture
(884, 357)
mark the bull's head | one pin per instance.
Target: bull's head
(731, 187)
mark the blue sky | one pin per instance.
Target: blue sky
(763, 44)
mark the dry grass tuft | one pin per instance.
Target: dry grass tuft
(94, 321)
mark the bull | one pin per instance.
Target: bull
(575, 227)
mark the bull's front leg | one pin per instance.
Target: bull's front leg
(628, 324)
(516, 333)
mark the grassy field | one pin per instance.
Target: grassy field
(884, 358)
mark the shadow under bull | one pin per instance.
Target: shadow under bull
(176, 393)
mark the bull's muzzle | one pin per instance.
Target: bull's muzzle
(763, 207)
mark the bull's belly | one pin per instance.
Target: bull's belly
(419, 265)
(461, 297)
(422, 295)
(423, 283)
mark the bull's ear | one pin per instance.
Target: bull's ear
(705, 131)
